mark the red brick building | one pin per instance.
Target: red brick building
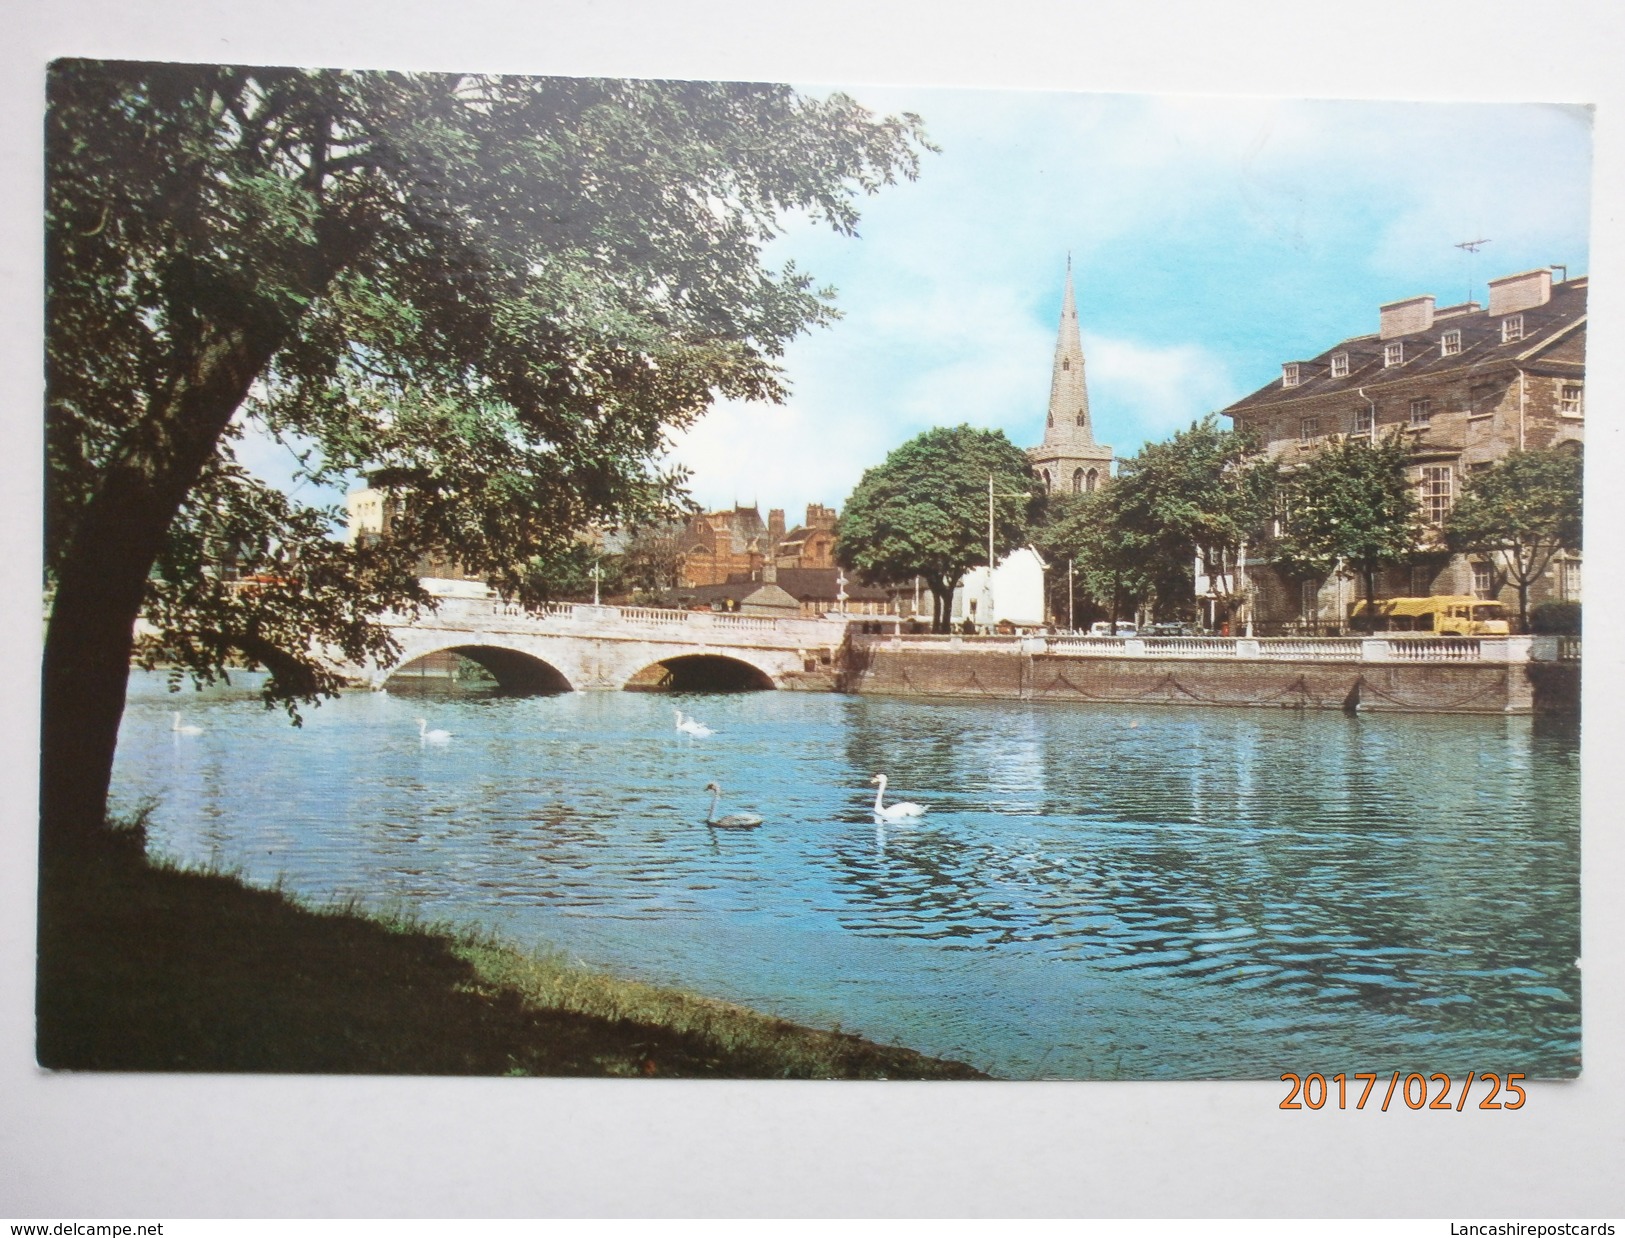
(1466, 385)
(719, 544)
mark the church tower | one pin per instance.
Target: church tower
(1069, 459)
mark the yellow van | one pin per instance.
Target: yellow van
(1444, 615)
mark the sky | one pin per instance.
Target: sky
(1211, 240)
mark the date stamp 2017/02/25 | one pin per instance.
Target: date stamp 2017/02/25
(1312, 1091)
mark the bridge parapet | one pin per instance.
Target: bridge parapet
(627, 623)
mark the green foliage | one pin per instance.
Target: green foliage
(1198, 496)
(495, 296)
(1112, 563)
(651, 562)
(924, 512)
(1555, 619)
(1350, 506)
(1519, 514)
(568, 575)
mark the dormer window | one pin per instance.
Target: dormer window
(1340, 365)
(1450, 344)
(1289, 374)
(1512, 328)
(1393, 354)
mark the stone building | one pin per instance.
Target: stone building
(1466, 385)
(716, 545)
(371, 511)
(807, 545)
(1069, 459)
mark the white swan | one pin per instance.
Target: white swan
(692, 726)
(187, 729)
(426, 736)
(734, 820)
(893, 812)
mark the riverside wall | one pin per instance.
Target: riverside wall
(1017, 672)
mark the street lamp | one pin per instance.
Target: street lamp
(987, 592)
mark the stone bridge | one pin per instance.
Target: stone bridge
(560, 647)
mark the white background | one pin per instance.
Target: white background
(170, 1146)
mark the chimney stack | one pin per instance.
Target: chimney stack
(1406, 317)
(1512, 293)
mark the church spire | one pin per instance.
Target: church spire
(1068, 422)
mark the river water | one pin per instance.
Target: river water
(1094, 891)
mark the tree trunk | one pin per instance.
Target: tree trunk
(942, 605)
(1370, 577)
(103, 574)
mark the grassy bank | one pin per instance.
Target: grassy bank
(144, 966)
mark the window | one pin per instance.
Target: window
(1568, 579)
(1289, 374)
(1483, 581)
(1450, 343)
(1362, 419)
(1393, 354)
(1512, 328)
(1091, 479)
(1572, 403)
(1081, 417)
(1340, 365)
(1421, 582)
(1308, 597)
(1066, 363)
(1308, 429)
(1045, 475)
(1421, 412)
(1077, 481)
(1436, 492)
(1485, 399)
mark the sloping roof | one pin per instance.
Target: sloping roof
(1544, 326)
(804, 584)
(768, 599)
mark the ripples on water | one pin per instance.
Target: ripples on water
(1095, 892)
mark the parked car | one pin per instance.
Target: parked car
(1104, 628)
(1169, 629)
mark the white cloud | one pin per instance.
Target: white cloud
(1140, 391)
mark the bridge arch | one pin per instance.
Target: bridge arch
(517, 673)
(702, 672)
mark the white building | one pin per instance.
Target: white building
(1013, 592)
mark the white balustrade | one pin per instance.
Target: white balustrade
(1429, 649)
(1307, 649)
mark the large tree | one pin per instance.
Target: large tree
(924, 512)
(1195, 499)
(1519, 514)
(495, 295)
(1112, 564)
(1350, 507)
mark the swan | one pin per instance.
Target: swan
(186, 729)
(734, 820)
(426, 736)
(692, 726)
(893, 812)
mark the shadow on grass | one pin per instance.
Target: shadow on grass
(150, 968)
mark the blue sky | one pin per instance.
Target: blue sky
(1211, 239)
